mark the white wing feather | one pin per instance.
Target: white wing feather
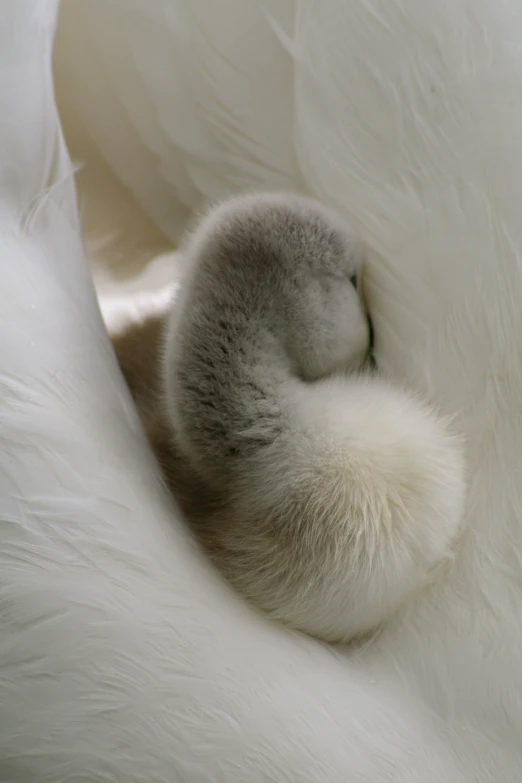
(31, 160)
(408, 117)
(187, 100)
(122, 657)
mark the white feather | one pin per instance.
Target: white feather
(407, 118)
(128, 87)
(30, 161)
(120, 655)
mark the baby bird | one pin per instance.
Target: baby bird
(324, 494)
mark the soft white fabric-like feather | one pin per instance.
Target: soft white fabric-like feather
(122, 656)
(30, 161)
(130, 65)
(410, 120)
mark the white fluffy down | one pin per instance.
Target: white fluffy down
(385, 477)
(121, 655)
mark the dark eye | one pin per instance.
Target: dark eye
(353, 280)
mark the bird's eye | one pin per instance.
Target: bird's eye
(353, 280)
